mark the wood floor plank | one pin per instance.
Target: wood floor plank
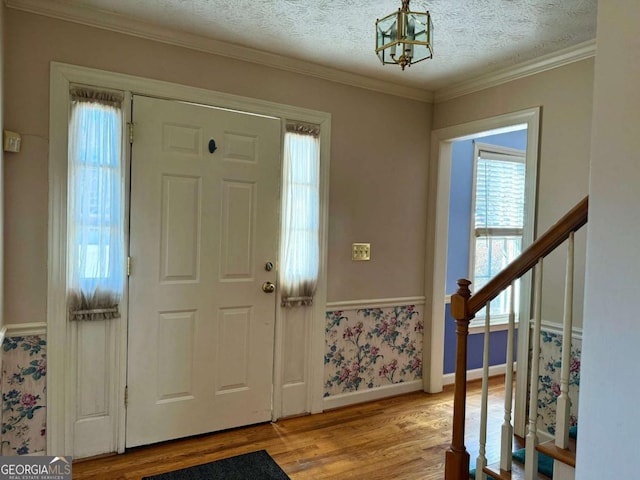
(404, 437)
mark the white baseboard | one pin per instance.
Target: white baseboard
(476, 374)
(352, 398)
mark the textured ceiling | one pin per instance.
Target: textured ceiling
(471, 37)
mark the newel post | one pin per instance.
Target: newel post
(457, 457)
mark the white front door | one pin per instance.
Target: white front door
(204, 224)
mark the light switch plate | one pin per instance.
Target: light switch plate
(360, 251)
(11, 141)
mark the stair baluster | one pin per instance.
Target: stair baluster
(531, 457)
(481, 461)
(563, 407)
(506, 435)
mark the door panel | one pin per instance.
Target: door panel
(238, 209)
(180, 239)
(201, 330)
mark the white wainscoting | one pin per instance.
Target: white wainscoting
(296, 376)
(96, 398)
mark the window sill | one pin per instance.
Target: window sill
(498, 325)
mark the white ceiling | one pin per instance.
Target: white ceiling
(471, 37)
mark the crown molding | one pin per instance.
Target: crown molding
(541, 64)
(121, 24)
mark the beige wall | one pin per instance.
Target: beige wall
(2, 33)
(378, 155)
(565, 95)
(609, 387)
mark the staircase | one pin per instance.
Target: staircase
(563, 462)
(464, 307)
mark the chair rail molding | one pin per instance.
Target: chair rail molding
(25, 329)
(375, 303)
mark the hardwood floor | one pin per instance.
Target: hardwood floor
(403, 437)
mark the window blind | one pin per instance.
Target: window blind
(499, 193)
(498, 219)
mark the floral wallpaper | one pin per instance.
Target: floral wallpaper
(23, 395)
(549, 380)
(371, 347)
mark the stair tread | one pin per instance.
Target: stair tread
(564, 455)
(516, 473)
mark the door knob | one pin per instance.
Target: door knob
(268, 287)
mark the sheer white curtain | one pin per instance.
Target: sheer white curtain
(300, 249)
(95, 226)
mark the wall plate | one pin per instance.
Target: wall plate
(12, 141)
(360, 252)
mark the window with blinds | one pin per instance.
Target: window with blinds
(498, 219)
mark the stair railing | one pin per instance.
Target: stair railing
(464, 307)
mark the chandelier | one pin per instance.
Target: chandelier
(404, 37)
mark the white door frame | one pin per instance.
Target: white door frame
(61, 368)
(437, 230)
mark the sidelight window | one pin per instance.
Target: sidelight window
(300, 244)
(95, 252)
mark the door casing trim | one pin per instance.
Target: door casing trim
(60, 367)
(437, 234)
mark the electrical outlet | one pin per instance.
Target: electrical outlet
(360, 251)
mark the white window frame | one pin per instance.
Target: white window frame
(294, 276)
(499, 322)
(124, 109)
